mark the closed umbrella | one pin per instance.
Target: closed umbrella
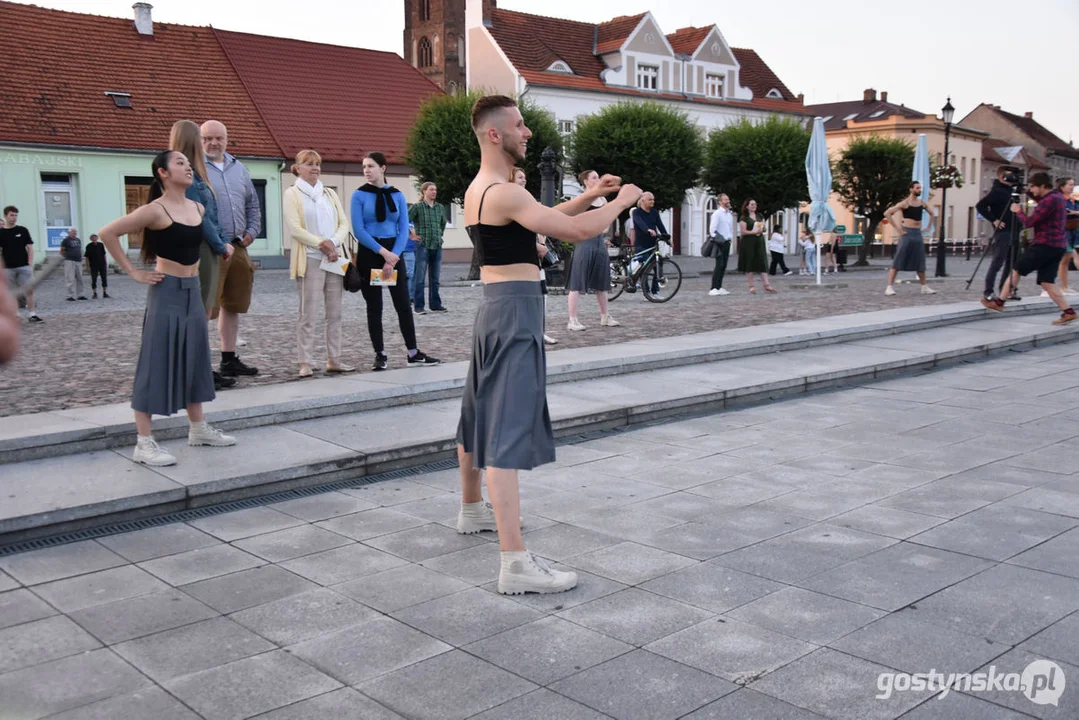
(819, 176)
(921, 175)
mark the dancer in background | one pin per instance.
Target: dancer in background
(910, 255)
(173, 370)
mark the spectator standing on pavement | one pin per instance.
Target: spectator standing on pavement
(752, 252)
(777, 245)
(429, 218)
(240, 221)
(910, 255)
(1045, 251)
(99, 266)
(71, 250)
(17, 252)
(380, 224)
(722, 230)
(648, 228)
(590, 271)
(517, 175)
(1066, 186)
(317, 222)
(173, 370)
(996, 208)
(809, 252)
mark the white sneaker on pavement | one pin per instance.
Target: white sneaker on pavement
(574, 324)
(549, 340)
(608, 321)
(523, 572)
(476, 517)
(889, 290)
(148, 452)
(202, 434)
(926, 290)
(724, 291)
(713, 292)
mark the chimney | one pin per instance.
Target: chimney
(869, 96)
(801, 98)
(144, 22)
(478, 12)
(1029, 114)
(884, 96)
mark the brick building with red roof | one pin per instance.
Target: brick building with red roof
(1038, 142)
(575, 68)
(82, 124)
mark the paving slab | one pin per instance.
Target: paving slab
(466, 616)
(146, 702)
(140, 616)
(339, 565)
(1015, 661)
(56, 563)
(400, 587)
(21, 606)
(155, 542)
(635, 616)
(809, 616)
(98, 588)
(195, 565)
(748, 703)
(343, 704)
(248, 588)
(292, 543)
(299, 617)
(40, 641)
(53, 687)
(540, 705)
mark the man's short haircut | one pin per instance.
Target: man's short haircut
(93, 235)
(1004, 170)
(487, 106)
(423, 188)
(1041, 179)
(10, 208)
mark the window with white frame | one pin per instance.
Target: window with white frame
(774, 94)
(565, 127)
(648, 77)
(713, 86)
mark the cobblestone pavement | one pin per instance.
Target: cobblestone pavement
(769, 562)
(84, 353)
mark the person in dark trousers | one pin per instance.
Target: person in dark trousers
(648, 228)
(17, 253)
(722, 230)
(71, 250)
(99, 266)
(380, 224)
(996, 208)
(1046, 250)
(777, 245)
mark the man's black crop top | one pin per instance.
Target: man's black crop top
(177, 242)
(511, 244)
(913, 213)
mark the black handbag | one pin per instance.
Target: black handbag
(710, 249)
(353, 278)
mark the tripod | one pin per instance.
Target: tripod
(1013, 239)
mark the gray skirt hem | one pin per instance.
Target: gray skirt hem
(590, 269)
(505, 422)
(173, 368)
(910, 255)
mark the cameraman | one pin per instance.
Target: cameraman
(996, 207)
(1046, 250)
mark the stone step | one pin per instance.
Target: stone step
(64, 432)
(60, 494)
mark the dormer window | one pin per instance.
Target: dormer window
(774, 94)
(850, 117)
(560, 67)
(648, 77)
(877, 114)
(713, 86)
(120, 99)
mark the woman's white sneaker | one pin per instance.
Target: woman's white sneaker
(148, 452)
(608, 321)
(926, 290)
(476, 517)
(202, 434)
(574, 324)
(523, 572)
(888, 291)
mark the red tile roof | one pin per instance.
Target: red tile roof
(344, 102)
(685, 41)
(533, 42)
(57, 66)
(1039, 134)
(611, 35)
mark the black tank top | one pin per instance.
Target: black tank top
(511, 244)
(913, 213)
(177, 242)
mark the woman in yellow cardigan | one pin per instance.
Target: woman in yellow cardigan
(319, 226)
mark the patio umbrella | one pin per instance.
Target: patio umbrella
(921, 174)
(819, 175)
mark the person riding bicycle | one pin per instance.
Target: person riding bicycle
(648, 229)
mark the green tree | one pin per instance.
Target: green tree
(763, 161)
(872, 174)
(653, 146)
(442, 148)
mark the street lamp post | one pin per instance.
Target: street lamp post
(947, 112)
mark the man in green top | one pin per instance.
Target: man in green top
(429, 218)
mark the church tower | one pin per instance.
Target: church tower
(434, 39)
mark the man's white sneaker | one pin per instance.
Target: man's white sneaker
(476, 517)
(549, 340)
(926, 290)
(148, 452)
(574, 324)
(889, 291)
(523, 572)
(608, 321)
(724, 291)
(713, 292)
(202, 434)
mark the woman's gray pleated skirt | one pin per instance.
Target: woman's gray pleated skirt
(174, 360)
(910, 255)
(590, 269)
(504, 418)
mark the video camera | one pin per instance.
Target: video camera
(1014, 177)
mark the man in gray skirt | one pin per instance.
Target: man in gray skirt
(505, 424)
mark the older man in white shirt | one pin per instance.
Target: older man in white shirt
(722, 231)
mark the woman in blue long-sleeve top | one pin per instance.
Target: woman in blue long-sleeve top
(380, 224)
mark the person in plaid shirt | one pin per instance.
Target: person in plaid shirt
(429, 217)
(1046, 250)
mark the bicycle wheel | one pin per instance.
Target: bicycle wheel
(670, 280)
(618, 279)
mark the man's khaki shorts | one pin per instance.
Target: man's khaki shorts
(236, 282)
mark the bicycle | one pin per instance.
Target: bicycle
(642, 265)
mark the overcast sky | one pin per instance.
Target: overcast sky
(828, 49)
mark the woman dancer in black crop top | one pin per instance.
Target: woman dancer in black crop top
(173, 370)
(505, 425)
(910, 253)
